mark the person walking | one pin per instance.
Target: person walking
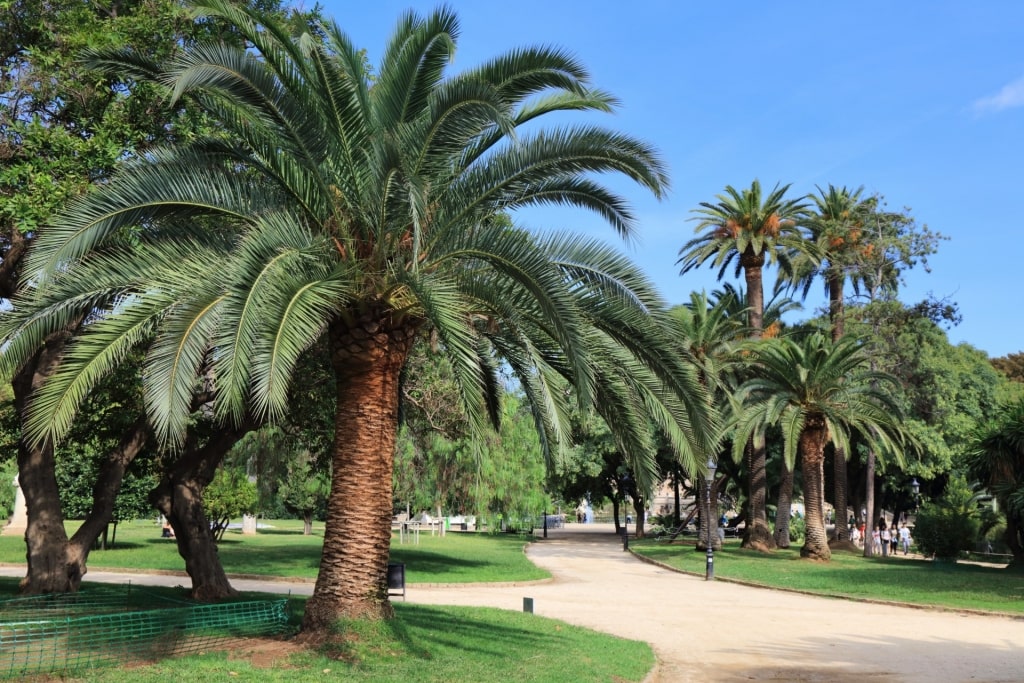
(905, 538)
(886, 537)
(876, 541)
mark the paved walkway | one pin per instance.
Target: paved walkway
(717, 631)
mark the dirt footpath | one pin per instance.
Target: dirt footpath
(717, 631)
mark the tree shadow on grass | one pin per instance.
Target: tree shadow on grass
(437, 563)
(461, 628)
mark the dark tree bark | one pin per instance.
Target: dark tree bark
(367, 355)
(104, 494)
(785, 508)
(639, 509)
(179, 497)
(46, 541)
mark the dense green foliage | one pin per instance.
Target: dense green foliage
(949, 526)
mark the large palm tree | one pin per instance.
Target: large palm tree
(838, 241)
(364, 208)
(818, 392)
(749, 229)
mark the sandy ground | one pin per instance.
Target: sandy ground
(719, 631)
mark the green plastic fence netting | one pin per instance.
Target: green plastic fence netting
(109, 625)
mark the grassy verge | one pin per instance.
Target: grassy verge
(423, 643)
(913, 581)
(283, 551)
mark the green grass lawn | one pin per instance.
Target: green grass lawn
(914, 581)
(422, 644)
(283, 551)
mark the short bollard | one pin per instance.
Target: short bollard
(528, 605)
(625, 540)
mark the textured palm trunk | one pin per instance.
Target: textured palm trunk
(836, 314)
(785, 507)
(758, 535)
(812, 456)
(368, 356)
(179, 496)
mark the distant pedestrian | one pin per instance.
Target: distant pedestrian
(886, 538)
(876, 541)
(905, 538)
(894, 541)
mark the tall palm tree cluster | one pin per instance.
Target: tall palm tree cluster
(349, 211)
(815, 389)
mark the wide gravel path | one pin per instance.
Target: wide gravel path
(719, 631)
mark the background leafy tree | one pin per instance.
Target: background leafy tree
(949, 526)
(1011, 365)
(230, 495)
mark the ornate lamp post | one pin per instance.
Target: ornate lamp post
(915, 486)
(710, 566)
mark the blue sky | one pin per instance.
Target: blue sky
(920, 102)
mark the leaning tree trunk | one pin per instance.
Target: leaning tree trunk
(104, 495)
(45, 538)
(179, 496)
(812, 456)
(367, 357)
(785, 507)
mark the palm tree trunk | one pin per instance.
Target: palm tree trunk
(368, 357)
(869, 503)
(758, 535)
(842, 505)
(812, 457)
(837, 316)
(785, 507)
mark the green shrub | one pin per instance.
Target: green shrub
(950, 526)
(797, 529)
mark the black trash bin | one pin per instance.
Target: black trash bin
(396, 579)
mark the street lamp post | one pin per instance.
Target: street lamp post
(915, 486)
(710, 566)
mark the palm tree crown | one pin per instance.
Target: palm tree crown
(818, 393)
(362, 207)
